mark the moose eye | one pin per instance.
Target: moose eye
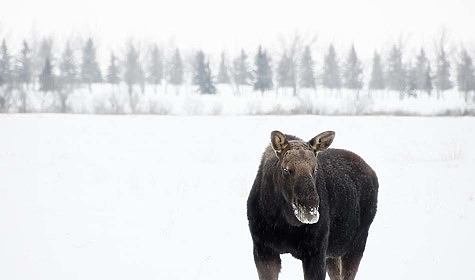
(286, 171)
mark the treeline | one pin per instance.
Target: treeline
(28, 69)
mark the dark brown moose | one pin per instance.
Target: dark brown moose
(314, 203)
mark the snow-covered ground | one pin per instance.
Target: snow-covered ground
(186, 101)
(155, 197)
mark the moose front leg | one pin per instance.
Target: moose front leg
(314, 267)
(268, 263)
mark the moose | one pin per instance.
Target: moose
(312, 202)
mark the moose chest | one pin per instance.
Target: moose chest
(284, 238)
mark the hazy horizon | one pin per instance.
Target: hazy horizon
(231, 25)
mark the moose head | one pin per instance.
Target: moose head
(295, 175)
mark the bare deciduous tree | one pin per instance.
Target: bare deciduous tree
(292, 48)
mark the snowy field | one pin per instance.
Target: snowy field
(155, 197)
(229, 101)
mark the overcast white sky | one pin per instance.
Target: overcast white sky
(215, 25)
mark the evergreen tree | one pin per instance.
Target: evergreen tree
(428, 79)
(353, 71)
(442, 77)
(377, 77)
(113, 71)
(5, 65)
(208, 85)
(331, 70)
(45, 51)
(241, 73)
(421, 73)
(307, 73)
(5, 76)
(155, 68)
(285, 75)
(22, 73)
(263, 72)
(68, 72)
(133, 73)
(47, 79)
(223, 77)
(176, 70)
(411, 80)
(90, 71)
(141, 78)
(24, 67)
(198, 68)
(465, 73)
(68, 76)
(202, 74)
(396, 74)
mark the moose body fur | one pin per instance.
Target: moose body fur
(346, 188)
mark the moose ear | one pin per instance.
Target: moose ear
(279, 142)
(322, 141)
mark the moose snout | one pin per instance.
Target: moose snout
(306, 194)
(306, 203)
